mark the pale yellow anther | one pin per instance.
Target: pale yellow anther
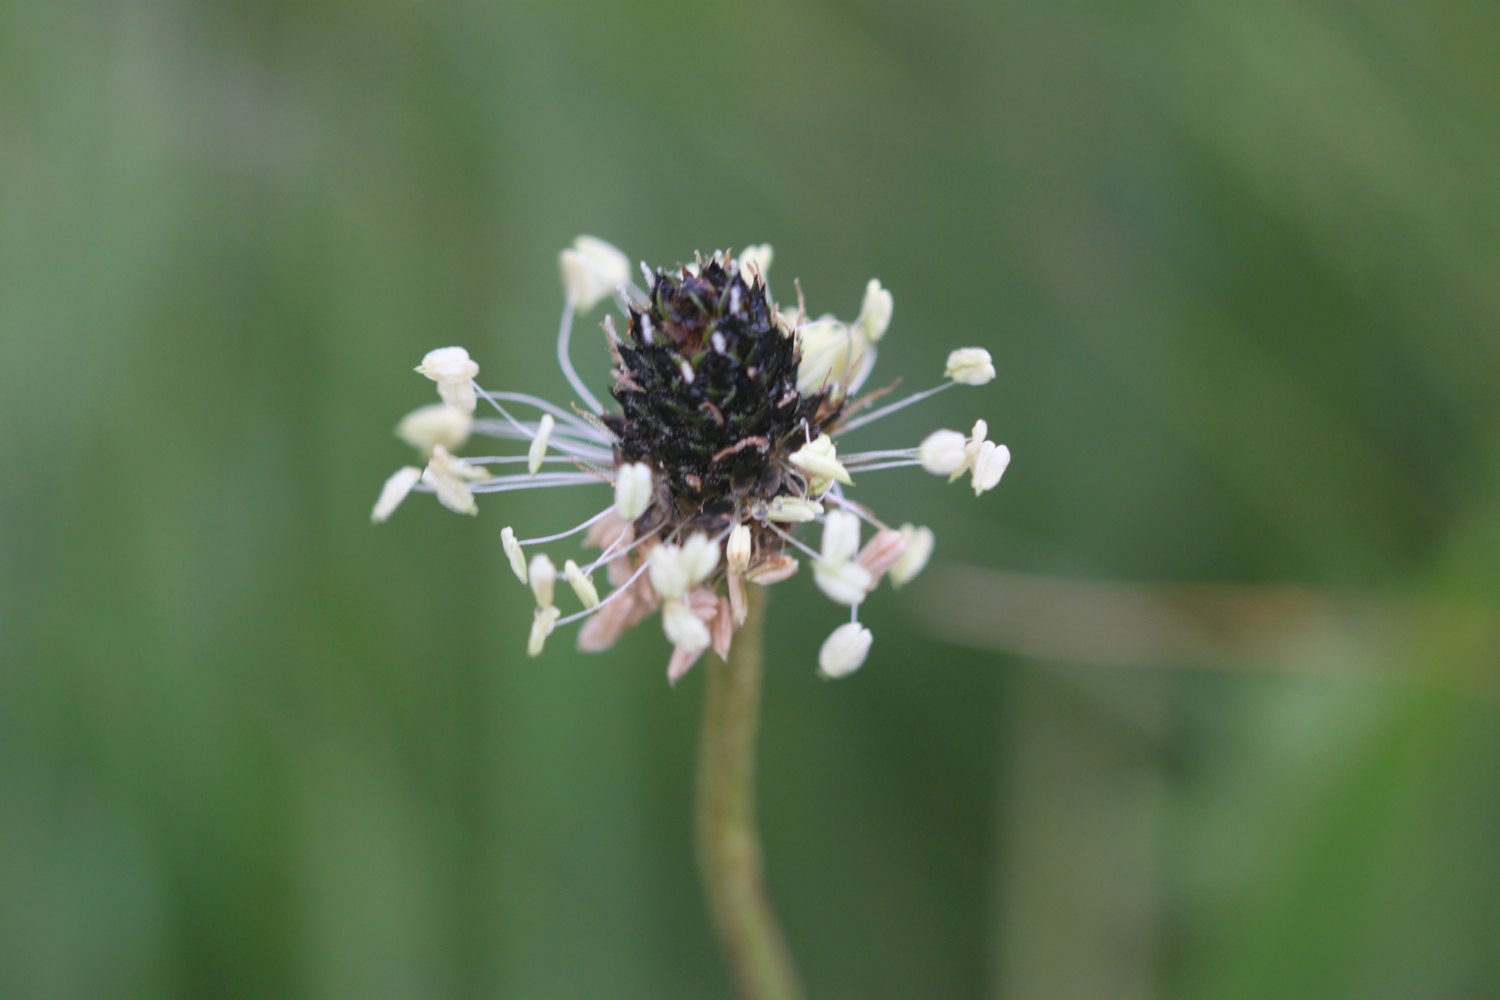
(737, 551)
(514, 553)
(793, 510)
(970, 366)
(756, 260)
(394, 491)
(845, 650)
(582, 585)
(538, 449)
(819, 459)
(875, 313)
(543, 621)
(919, 544)
(438, 424)
(591, 271)
(543, 579)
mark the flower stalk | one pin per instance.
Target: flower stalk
(729, 855)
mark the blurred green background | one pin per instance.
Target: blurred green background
(1238, 265)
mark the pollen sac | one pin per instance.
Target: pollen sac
(707, 386)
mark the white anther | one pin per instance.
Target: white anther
(449, 477)
(394, 491)
(632, 490)
(846, 583)
(453, 371)
(591, 271)
(845, 650)
(819, 459)
(989, 466)
(840, 538)
(875, 313)
(684, 629)
(670, 575)
(543, 621)
(942, 453)
(970, 365)
(737, 551)
(582, 584)
(543, 579)
(514, 553)
(755, 259)
(700, 556)
(718, 338)
(793, 510)
(830, 352)
(436, 424)
(538, 449)
(919, 543)
(687, 371)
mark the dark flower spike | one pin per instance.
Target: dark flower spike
(723, 442)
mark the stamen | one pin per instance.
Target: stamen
(892, 408)
(562, 440)
(566, 416)
(564, 334)
(605, 558)
(571, 531)
(866, 366)
(507, 484)
(870, 456)
(577, 615)
(865, 514)
(885, 465)
(811, 552)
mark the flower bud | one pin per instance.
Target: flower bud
(919, 543)
(394, 491)
(942, 452)
(591, 271)
(543, 579)
(737, 551)
(433, 425)
(514, 553)
(847, 584)
(632, 490)
(582, 585)
(875, 313)
(543, 621)
(791, 510)
(538, 449)
(845, 650)
(970, 365)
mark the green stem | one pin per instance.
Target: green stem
(728, 844)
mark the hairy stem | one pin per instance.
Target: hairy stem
(728, 844)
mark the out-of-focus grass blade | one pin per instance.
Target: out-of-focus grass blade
(1277, 627)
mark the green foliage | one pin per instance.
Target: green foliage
(1237, 264)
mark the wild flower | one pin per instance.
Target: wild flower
(725, 437)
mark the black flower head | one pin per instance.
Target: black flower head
(723, 445)
(707, 387)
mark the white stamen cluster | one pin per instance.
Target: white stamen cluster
(653, 560)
